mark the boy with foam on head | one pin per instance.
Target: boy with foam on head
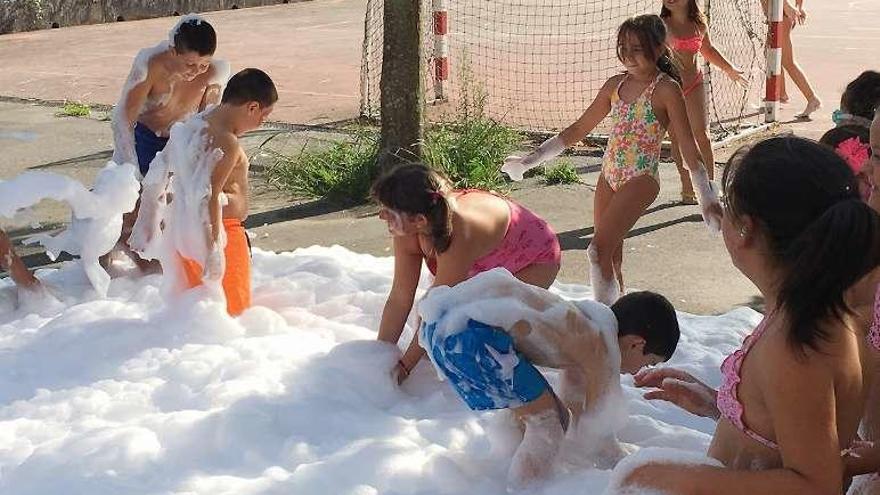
(168, 83)
(198, 236)
(487, 334)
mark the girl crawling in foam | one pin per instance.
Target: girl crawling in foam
(486, 335)
(458, 234)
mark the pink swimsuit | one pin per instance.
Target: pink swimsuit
(728, 403)
(689, 45)
(529, 240)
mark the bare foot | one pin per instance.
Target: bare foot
(811, 107)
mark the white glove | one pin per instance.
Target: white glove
(707, 196)
(515, 166)
(215, 265)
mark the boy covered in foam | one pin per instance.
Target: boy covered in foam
(486, 335)
(168, 83)
(198, 235)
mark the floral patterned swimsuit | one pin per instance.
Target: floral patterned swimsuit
(636, 134)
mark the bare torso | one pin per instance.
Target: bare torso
(687, 60)
(236, 190)
(171, 98)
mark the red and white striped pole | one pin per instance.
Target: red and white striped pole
(774, 61)
(441, 49)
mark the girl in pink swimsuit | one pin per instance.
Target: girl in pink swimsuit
(688, 36)
(457, 234)
(643, 103)
(793, 395)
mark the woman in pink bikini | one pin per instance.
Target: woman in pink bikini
(457, 234)
(687, 35)
(792, 396)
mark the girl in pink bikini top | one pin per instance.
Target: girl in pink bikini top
(791, 221)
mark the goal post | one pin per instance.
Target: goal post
(539, 63)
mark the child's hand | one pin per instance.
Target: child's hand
(738, 76)
(861, 458)
(514, 167)
(680, 388)
(215, 265)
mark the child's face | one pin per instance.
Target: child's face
(191, 65)
(633, 357)
(400, 224)
(255, 114)
(635, 57)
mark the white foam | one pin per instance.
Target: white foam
(96, 215)
(138, 395)
(166, 231)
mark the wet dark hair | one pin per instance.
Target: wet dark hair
(415, 189)
(862, 95)
(651, 33)
(250, 85)
(650, 316)
(805, 200)
(195, 35)
(695, 14)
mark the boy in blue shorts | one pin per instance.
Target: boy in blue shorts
(486, 336)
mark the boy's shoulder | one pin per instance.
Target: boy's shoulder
(227, 142)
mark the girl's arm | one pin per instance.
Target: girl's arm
(713, 56)
(669, 97)
(800, 397)
(407, 269)
(515, 166)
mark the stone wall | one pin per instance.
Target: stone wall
(28, 15)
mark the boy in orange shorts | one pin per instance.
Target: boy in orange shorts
(205, 170)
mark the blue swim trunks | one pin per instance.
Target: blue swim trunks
(146, 145)
(477, 363)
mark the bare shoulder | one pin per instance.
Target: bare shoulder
(228, 143)
(666, 91)
(613, 81)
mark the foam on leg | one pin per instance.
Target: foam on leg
(605, 290)
(534, 458)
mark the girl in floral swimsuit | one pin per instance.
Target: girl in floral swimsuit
(643, 103)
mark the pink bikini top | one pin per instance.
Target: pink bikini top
(692, 45)
(728, 403)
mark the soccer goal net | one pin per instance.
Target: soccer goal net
(539, 63)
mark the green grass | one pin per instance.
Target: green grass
(74, 109)
(562, 172)
(341, 172)
(470, 152)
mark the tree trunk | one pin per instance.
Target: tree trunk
(401, 84)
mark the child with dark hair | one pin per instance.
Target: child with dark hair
(168, 83)
(210, 188)
(487, 334)
(850, 136)
(792, 396)
(688, 34)
(644, 102)
(457, 234)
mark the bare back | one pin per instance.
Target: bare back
(479, 224)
